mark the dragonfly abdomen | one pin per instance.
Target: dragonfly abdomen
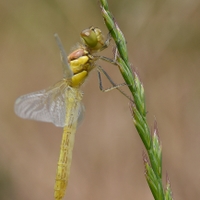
(64, 163)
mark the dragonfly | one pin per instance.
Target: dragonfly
(61, 104)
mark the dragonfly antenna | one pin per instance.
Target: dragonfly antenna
(66, 68)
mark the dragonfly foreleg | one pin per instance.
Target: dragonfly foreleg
(107, 41)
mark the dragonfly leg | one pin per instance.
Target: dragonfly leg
(114, 86)
(108, 38)
(109, 60)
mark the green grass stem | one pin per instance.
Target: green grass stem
(151, 141)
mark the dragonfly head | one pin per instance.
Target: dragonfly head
(93, 39)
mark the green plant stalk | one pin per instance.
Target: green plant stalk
(153, 170)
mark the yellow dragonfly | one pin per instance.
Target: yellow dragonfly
(61, 103)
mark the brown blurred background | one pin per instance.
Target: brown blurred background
(163, 39)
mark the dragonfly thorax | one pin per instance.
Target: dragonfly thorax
(81, 60)
(81, 63)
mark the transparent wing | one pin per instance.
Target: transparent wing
(67, 72)
(51, 105)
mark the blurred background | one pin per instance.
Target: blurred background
(163, 39)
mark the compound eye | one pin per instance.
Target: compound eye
(90, 37)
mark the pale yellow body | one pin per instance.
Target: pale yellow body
(81, 63)
(80, 67)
